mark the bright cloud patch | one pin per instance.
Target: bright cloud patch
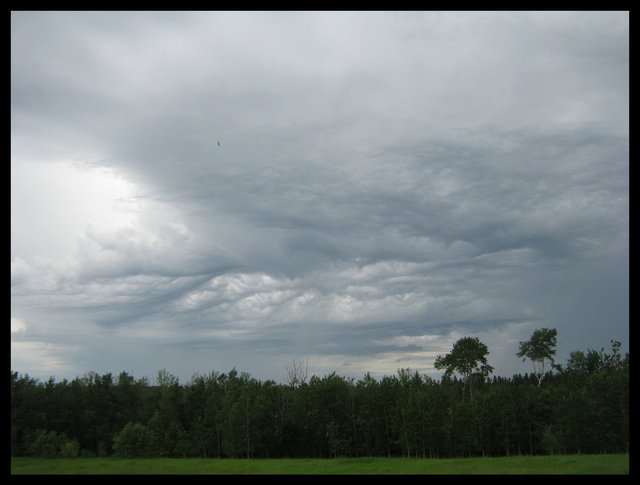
(17, 325)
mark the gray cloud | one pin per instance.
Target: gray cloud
(385, 183)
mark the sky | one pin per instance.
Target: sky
(198, 191)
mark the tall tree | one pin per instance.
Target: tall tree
(468, 357)
(297, 373)
(540, 348)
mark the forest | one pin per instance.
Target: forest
(579, 407)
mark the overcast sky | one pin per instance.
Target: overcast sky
(202, 190)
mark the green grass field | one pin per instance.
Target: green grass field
(563, 464)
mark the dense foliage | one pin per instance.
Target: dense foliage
(582, 407)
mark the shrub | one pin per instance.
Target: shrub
(50, 444)
(132, 441)
(70, 449)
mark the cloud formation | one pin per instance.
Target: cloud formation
(210, 189)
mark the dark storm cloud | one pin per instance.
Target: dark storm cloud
(366, 186)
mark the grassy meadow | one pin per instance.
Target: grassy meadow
(558, 464)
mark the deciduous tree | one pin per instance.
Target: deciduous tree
(540, 348)
(468, 357)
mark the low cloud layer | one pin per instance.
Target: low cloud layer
(205, 190)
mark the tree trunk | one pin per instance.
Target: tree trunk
(218, 441)
(406, 433)
(386, 430)
(247, 428)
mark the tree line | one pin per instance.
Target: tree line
(581, 407)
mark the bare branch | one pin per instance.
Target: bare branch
(297, 372)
